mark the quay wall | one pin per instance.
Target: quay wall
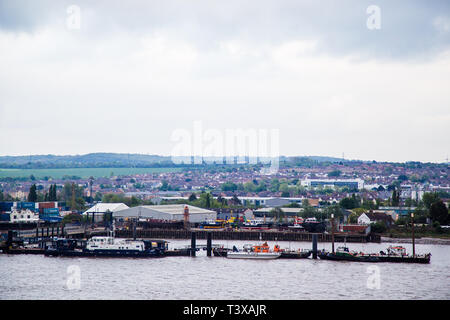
(247, 235)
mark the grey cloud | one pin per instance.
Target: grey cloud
(339, 27)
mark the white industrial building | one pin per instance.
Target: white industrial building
(170, 212)
(100, 209)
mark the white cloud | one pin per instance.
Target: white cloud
(68, 92)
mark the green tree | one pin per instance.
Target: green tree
(32, 195)
(395, 198)
(192, 197)
(349, 203)
(439, 212)
(378, 227)
(334, 173)
(429, 198)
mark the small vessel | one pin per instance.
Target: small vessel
(255, 225)
(261, 252)
(221, 251)
(344, 254)
(292, 254)
(298, 224)
(107, 246)
(398, 254)
(212, 224)
(312, 225)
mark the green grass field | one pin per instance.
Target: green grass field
(79, 172)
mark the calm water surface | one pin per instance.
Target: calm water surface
(40, 277)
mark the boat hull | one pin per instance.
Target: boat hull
(336, 257)
(371, 258)
(407, 259)
(295, 255)
(253, 255)
(104, 253)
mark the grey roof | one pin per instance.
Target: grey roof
(167, 212)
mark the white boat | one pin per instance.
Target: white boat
(261, 252)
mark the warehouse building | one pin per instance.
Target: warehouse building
(170, 212)
(98, 211)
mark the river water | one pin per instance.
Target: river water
(202, 277)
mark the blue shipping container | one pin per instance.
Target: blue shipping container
(4, 217)
(6, 206)
(51, 210)
(26, 205)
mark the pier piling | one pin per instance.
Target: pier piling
(193, 248)
(314, 246)
(209, 244)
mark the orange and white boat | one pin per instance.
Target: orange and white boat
(262, 252)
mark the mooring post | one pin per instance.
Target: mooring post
(37, 232)
(57, 231)
(9, 241)
(208, 244)
(42, 232)
(193, 244)
(314, 246)
(53, 231)
(48, 234)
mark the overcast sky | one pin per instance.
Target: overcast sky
(132, 75)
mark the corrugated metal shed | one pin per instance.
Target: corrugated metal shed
(167, 212)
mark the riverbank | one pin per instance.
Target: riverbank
(424, 240)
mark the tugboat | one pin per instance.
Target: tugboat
(261, 252)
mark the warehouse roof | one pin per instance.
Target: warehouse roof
(164, 209)
(104, 207)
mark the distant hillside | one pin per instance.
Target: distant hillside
(91, 160)
(119, 160)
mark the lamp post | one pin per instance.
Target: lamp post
(332, 233)
(413, 244)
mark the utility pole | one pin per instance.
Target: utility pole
(332, 233)
(413, 243)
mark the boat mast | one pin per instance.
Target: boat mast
(332, 232)
(413, 243)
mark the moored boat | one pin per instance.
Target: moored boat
(107, 247)
(261, 252)
(344, 254)
(293, 254)
(398, 254)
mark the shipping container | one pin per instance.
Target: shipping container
(49, 204)
(26, 205)
(5, 217)
(6, 206)
(51, 210)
